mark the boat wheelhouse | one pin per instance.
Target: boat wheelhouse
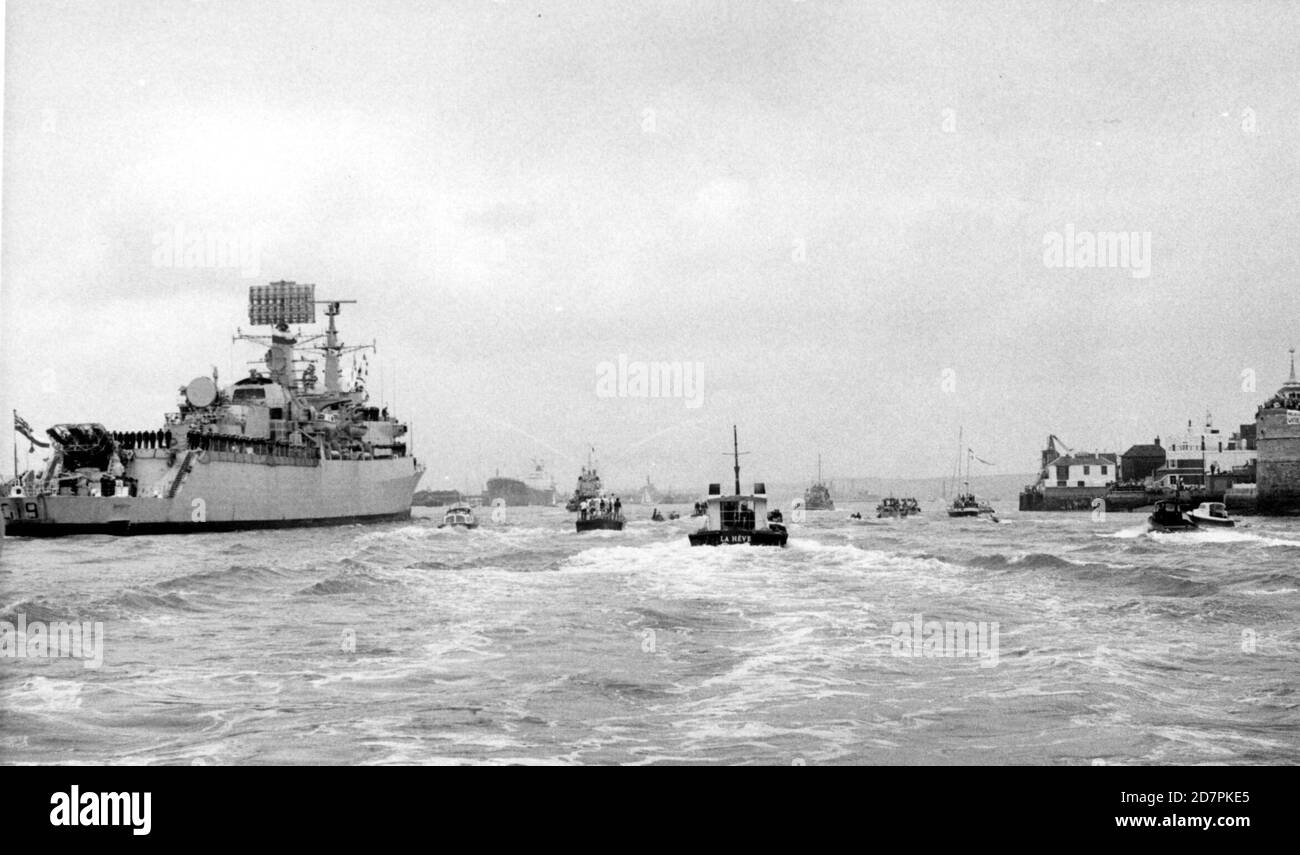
(1170, 515)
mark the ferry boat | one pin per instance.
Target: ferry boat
(733, 518)
(459, 516)
(275, 449)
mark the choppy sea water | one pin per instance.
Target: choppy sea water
(524, 642)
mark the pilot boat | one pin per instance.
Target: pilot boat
(733, 518)
(1169, 517)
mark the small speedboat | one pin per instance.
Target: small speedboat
(1212, 514)
(459, 516)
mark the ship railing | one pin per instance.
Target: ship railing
(260, 459)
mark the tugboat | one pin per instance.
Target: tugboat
(731, 519)
(602, 513)
(588, 486)
(459, 516)
(1212, 515)
(818, 496)
(277, 448)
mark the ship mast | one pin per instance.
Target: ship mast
(735, 448)
(331, 349)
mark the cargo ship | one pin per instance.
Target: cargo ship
(278, 448)
(537, 488)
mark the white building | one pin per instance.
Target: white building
(1081, 470)
(1200, 452)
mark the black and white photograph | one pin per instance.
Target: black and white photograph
(678, 383)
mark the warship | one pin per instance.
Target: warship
(278, 448)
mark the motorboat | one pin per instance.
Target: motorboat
(459, 516)
(1212, 514)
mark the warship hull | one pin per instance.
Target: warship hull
(224, 495)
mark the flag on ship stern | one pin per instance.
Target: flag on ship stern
(21, 425)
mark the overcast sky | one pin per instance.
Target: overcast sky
(839, 211)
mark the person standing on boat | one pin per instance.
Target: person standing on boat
(618, 506)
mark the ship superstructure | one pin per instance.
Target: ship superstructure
(589, 487)
(283, 446)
